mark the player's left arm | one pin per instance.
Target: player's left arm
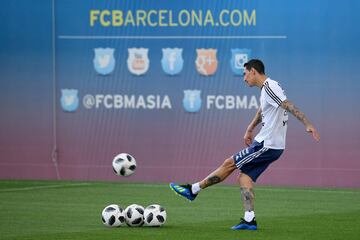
(290, 107)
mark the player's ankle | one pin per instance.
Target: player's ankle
(195, 188)
(249, 216)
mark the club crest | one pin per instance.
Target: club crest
(206, 62)
(238, 58)
(138, 61)
(172, 61)
(192, 100)
(69, 100)
(104, 61)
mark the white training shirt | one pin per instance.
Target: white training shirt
(274, 117)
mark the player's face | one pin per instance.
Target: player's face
(249, 77)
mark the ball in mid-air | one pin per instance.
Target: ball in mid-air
(124, 164)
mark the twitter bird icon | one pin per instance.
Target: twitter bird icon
(104, 61)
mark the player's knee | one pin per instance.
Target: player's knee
(229, 163)
(244, 180)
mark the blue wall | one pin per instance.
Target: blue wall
(310, 47)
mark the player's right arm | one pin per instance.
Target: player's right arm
(249, 135)
(290, 107)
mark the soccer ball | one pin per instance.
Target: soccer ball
(154, 215)
(113, 216)
(134, 215)
(124, 164)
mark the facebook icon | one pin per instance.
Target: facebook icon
(172, 61)
(192, 100)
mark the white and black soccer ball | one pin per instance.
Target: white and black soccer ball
(124, 164)
(134, 215)
(154, 215)
(113, 216)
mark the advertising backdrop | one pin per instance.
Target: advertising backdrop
(82, 81)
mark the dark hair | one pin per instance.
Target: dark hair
(256, 64)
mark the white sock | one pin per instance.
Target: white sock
(195, 188)
(249, 216)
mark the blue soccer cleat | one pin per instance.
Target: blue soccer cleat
(183, 190)
(244, 225)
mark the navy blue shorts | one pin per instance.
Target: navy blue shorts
(255, 159)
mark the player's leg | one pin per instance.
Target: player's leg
(190, 191)
(248, 197)
(252, 165)
(247, 192)
(220, 174)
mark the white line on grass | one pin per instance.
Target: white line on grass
(43, 187)
(260, 188)
(86, 37)
(295, 189)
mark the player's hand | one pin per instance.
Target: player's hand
(248, 137)
(315, 133)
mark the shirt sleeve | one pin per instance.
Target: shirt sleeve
(275, 94)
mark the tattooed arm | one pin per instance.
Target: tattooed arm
(249, 136)
(290, 107)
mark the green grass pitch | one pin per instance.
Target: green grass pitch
(72, 210)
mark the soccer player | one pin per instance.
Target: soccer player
(267, 146)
